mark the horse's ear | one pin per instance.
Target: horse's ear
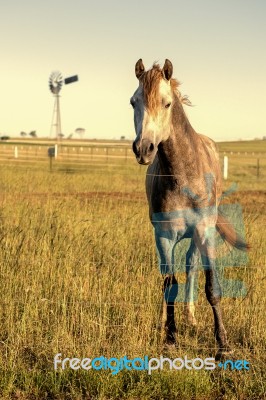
(168, 69)
(139, 68)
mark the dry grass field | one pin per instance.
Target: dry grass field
(79, 276)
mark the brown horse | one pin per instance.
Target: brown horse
(184, 187)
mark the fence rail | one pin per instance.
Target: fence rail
(66, 152)
(237, 162)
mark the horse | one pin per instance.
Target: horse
(184, 189)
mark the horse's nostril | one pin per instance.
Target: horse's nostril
(134, 148)
(151, 148)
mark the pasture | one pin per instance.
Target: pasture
(79, 276)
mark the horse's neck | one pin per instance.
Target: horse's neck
(177, 155)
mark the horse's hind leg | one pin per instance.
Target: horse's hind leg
(191, 283)
(214, 294)
(206, 244)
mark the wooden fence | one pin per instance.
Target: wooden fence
(116, 154)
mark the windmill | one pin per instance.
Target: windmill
(55, 84)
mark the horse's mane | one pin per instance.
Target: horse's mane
(150, 82)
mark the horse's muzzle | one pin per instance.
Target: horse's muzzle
(144, 150)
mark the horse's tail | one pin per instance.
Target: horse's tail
(228, 233)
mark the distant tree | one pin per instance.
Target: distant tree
(122, 138)
(33, 134)
(23, 134)
(80, 132)
(61, 135)
(5, 137)
(70, 136)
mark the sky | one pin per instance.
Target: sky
(218, 51)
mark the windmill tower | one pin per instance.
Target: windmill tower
(55, 84)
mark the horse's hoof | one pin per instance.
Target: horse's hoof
(169, 346)
(224, 354)
(169, 337)
(188, 315)
(192, 321)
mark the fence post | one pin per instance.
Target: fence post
(16, 152)
(225, 167)
(258, 167)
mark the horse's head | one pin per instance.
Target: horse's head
(152, 103)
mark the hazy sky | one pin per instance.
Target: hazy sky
(218, 50)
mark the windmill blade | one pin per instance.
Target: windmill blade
(55, 82)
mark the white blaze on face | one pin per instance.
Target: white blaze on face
(156, 126)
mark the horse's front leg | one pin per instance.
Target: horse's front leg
(165, 247)
(170, 288)
(206, 243)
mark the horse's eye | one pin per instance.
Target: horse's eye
(167, 105)
(132, 102)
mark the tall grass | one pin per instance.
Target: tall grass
(79, 276)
